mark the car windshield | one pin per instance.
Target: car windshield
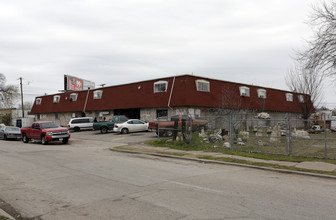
(12, 129)
(49, 125)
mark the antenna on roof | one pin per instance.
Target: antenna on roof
(102, 85)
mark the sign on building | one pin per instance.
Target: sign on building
(77, 84)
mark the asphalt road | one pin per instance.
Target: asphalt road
(115, 138)
(85, 180)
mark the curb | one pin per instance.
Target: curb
(227, 163)
(5, 214)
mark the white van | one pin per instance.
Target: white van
(83, 123)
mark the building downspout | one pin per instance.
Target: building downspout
(87, 96)
(171, 93)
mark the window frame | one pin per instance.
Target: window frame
(73, 95)
(161, 82)
(158, 111)
(37, 126)
(56, 99)
(301, 98)
(289, 97)
(244, 91)
(38, 101)
(202, 82)
(262, 93)
(98, 94)
(138, 122)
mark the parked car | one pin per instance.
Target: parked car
(105, 126)
(46, 131)
(10, 132)
(166, 127)
(131, 125)
(84, 123)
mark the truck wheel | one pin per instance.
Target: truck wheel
(25, 139)
(43, 140)
(103, 130)
(169, 132)
(76, 129)
(65, 140)
(124, 131)
(160, 133)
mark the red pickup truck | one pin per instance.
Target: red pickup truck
(46, 131)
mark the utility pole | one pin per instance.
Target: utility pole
(21, 97)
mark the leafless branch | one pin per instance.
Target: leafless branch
(320, 54)
(8, 93)
(300, 79)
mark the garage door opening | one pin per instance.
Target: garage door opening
(132, 113)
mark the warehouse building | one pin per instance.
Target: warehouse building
(183, 94)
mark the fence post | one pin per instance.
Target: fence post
(325, 139)
(231, 131)
(190, 128)
(289, 133)
(158, 127)
(257, 134)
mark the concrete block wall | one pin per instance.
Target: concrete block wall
(149, 114)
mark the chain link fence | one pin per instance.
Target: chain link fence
(261, 134)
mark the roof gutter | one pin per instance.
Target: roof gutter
(171, 93)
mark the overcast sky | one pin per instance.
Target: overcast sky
(117, 42)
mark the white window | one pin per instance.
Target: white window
(73, 97)
(57, 98)
(191, 111)
(301, 98)
(38, 101)
(203, 85)
(244, 91)
(194, 113)
(160, 86)
(289, 97)
(97, 94)
(261, 93)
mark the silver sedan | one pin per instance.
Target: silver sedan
(132, 125)
(10, 132)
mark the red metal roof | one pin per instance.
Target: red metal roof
(141, 95)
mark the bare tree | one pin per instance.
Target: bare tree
(8, 93)
(26, 105)
(321, 52)
(300, 79)
(230, 100)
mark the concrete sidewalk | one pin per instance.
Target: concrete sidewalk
(309, 165)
